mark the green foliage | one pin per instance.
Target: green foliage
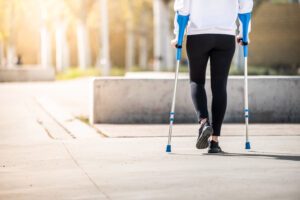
(73, 73)
(280, 70)
(264, 70)
(139, 69)
(83, 119)
(280, 1)
(117, 71)
(184, 68)
(252, 70)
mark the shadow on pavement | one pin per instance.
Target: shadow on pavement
(249, 155)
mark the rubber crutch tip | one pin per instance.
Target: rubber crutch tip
(247, 145)
(168, 148)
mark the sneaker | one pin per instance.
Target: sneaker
(205, 131)
(214, 147)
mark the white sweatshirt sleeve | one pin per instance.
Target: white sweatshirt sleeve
(183, 7)
(245, 6)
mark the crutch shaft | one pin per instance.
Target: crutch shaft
(246, 97)
(172, 113)
(182, 21)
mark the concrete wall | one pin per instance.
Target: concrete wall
(134, 100)
(23, 74)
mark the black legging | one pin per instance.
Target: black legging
(220, 49)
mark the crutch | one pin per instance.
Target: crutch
(245, 19)
(182, 21)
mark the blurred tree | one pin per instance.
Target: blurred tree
(1, 50)
(46, 55)
(11, 49)
(162, 49)
(80, 9)
(104, 55)
(137, 19)
(7, 18)
(128, 9)
(62, 18)
(62, 47)
(2, 32)
(144, 22)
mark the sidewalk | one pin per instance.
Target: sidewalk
(191, 130)
(41, 159)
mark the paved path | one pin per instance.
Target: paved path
(73, 95)
(41, 157)
(191, 130)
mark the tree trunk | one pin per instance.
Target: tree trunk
(11, 49)
(143, 37)
(83, 45)
(62, 47)
(46, 57)
(143, 51)
(162, 48)
(130, 44)
(2, 59)
(11, 56)
(104, 63)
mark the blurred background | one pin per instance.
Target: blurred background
(100, 37)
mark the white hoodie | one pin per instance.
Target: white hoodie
(212, 16)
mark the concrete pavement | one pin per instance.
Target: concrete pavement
(40, 159)
(35, 163)
(191, 130)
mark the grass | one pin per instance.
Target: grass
(75, 72)
(184, 68)
(84, 120)
(262, 70)
(117, 71)
(139, 69)
(253, 70)
(280, 1)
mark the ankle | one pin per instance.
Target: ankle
(202, 121)
(215, 138)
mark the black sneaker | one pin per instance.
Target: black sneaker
(214, 147)
(205, 131)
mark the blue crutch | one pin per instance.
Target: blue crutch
(245, 19)
(182, 21)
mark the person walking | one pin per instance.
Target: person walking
(211, 34)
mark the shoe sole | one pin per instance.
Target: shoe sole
(202, 141)
(215, 151)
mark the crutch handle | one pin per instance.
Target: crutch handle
(242, 42)
(245, 19)
(182, 21)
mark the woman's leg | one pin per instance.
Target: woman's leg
(220, 60)
(198, 47)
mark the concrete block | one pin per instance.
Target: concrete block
(141, 100)
(26, 74)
